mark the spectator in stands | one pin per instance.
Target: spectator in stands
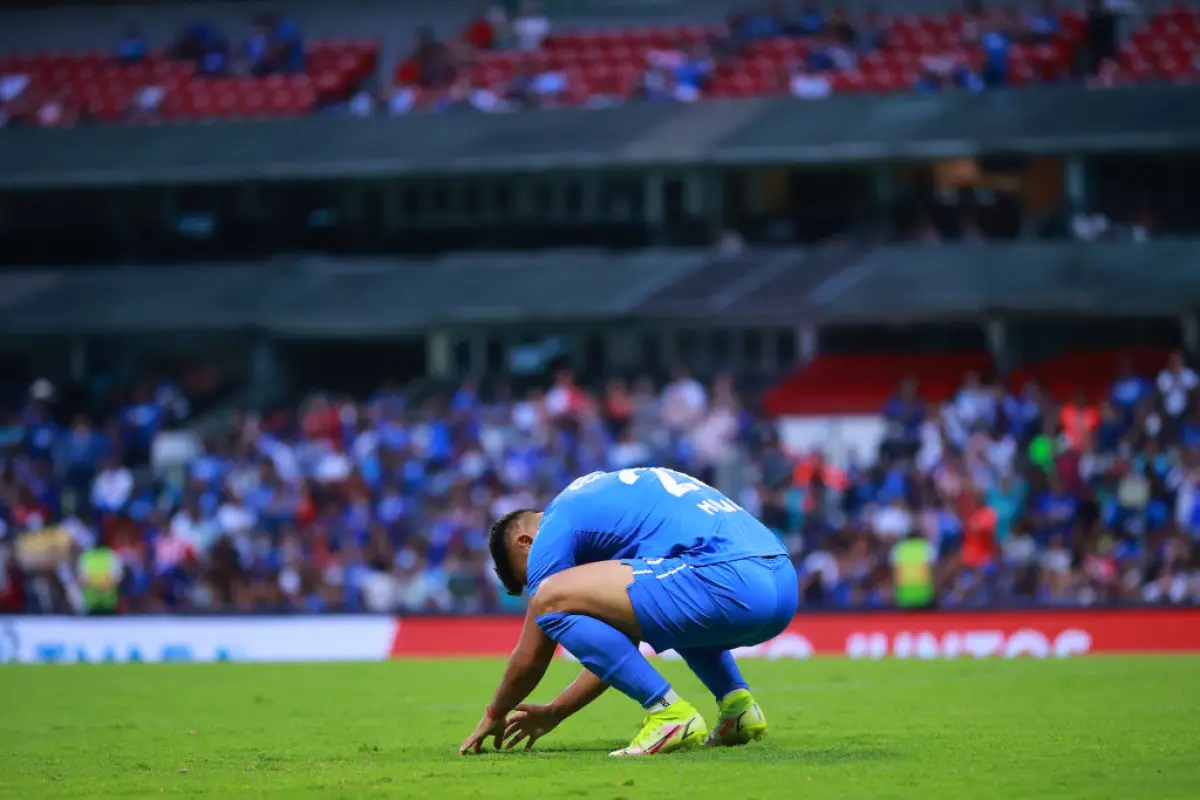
(1102, 37)
(275, 46)
(80, 450)
(480, 31)
(132, 48)
(1024, 412)
(256, 50)
(402, 100)
(214, 59)
(872, 33)
(548, 87)
(142, 419)
(972, 29)
(904, 415)
(517, 90)
(995, 41)
(530, 27)
(464, 94)
(761, 23)
(811, 21)
(195, 41)
(945, 72)
(840, 29)
(1107, 75)
(820, 57)
(362, 103)
(429, 65)
(807, 84)
(931, 81)
(113, 487)
(684, 402)
(1079, 420)
(287, 43)
(975, 403)
(1044, 25)
(1177, 383)
(12, 89)
(827, 54)
(54, 110)
(692, 73)
(147, 103)
(656, 86)
(726, 42)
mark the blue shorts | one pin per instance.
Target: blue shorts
(727, 604)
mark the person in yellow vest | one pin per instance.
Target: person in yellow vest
(912, 566)
(100, 573)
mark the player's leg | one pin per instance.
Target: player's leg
(741, 719)
(598, 590)
(587, 610)
(715, 668)
(717, 607)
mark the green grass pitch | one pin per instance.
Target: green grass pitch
(1087, 728)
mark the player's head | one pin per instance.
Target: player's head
(509, 540)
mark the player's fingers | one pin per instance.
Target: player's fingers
(529, 744)
(515, 740)
(497, 741)
(523, 707)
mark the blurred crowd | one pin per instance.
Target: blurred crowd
(438, 74)
(337, 505)
(1019, 498)
(383, 503)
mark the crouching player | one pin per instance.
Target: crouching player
(638, 555)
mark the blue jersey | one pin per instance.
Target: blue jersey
(644, 513)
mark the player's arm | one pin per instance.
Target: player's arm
(532, 722)
(583, 690)
(526, 666)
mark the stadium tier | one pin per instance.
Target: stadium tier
(490, 66)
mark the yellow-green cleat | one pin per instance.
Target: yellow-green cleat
(742, 721)
(667, 730)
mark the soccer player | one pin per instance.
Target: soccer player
(638, 555)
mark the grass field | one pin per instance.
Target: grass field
(1087, 728)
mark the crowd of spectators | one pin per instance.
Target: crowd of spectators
(1026, 499)
(272, 45)
(438, 75)
(383, 504)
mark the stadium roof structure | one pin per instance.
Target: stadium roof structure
(836, 284)
(764, 130)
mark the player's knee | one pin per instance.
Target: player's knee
(552, 597)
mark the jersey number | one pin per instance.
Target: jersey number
(679, 488)
(676, 487)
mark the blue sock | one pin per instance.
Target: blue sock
(715, 668)
(609, 654)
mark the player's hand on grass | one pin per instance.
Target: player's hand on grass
(529, 723)
(486, 728)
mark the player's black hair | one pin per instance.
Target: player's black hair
(498, 538)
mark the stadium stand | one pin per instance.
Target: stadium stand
(858, 384)
(1088, 371)
(383, 503)
(747, 55)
